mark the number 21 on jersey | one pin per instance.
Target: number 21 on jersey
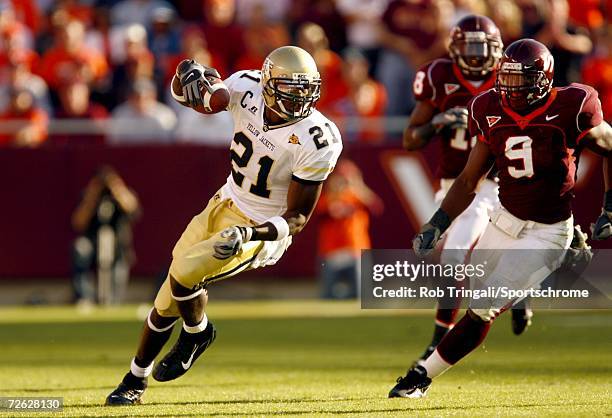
(260, 187)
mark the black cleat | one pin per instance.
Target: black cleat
(185, 352)
(413, 385)
(521, 319)
(128, 392)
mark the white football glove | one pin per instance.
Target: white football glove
(231, 241)
(454, 118)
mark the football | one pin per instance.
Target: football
(214, 102)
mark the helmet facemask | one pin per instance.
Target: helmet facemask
(521, 89)
(475, 53)
(292, 98)
(291, 89)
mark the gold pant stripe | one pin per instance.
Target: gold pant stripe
(233, 271)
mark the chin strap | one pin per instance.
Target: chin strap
(268, 126)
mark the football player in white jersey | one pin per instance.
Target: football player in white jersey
(283, 150)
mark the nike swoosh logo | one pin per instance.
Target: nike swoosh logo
(191, 77)
(188, 364)
(548, 118)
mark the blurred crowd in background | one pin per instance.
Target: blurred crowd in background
(84, 63)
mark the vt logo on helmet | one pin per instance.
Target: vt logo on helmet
(525, 74)
(291, 82)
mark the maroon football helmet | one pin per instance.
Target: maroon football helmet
(525, 74)
(475, 45)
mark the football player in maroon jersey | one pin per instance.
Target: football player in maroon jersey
(443, 88)
(533, 132)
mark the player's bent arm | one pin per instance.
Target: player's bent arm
(457, 199)
(599, 140)
(420, 130)
(463, 190)
(302, 198)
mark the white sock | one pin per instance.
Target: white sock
(444, 325)
(435, 365)
(140, 371)
(196, 328)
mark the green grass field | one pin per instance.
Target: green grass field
(309, 358)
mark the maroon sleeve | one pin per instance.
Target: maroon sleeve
(422, 86)
(475, 126)
(590, 114)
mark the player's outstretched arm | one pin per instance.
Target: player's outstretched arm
(302, 198)
(599, 140)
(463, 190)
(457, 199)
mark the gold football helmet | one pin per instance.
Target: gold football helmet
(291, 82)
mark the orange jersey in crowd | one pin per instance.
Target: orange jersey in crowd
(348, 231)
(27, 11)
(35, 117)
(333, 86)
(597, 72)
(586, 13)
(21, 56)
(59, 66)
(369, 101)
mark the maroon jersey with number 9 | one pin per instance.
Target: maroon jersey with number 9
(535, 153)
(442, 84)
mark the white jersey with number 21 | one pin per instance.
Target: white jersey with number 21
(266, 159)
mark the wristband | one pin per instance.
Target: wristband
(608, 201)
(440, 220)
(247, 233)
(425, 132)
(281, 226)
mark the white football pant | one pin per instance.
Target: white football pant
(516, 262)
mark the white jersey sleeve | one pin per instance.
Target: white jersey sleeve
(239, 84)
(316, 159)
